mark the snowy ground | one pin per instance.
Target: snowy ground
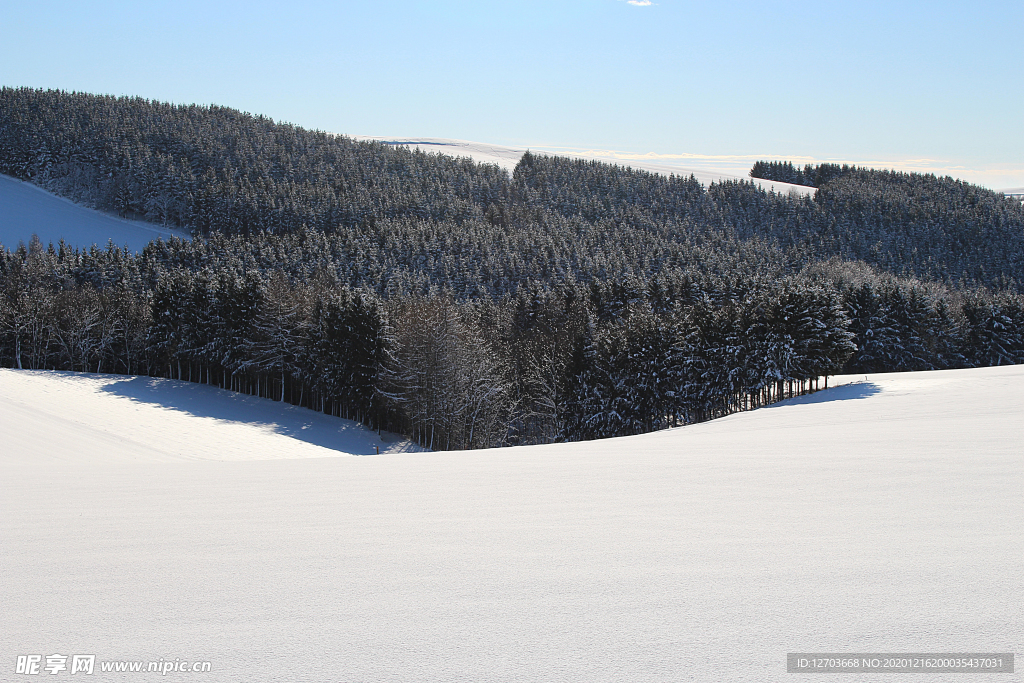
(507, 157)
(886, 515)
(27, 210)
(92, 418)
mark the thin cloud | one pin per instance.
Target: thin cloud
(639, 3)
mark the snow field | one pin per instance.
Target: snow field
(90, 418)
(27, 210)
(884, 515)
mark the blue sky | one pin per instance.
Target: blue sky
(935, 86)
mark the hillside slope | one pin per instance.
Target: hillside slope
(27, 210)
(90, 418)
(884, 515)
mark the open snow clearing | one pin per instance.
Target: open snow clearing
(147, 519)
(26, 210)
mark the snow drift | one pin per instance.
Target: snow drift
(884, 515)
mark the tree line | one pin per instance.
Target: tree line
(578, 361)
(808, 176)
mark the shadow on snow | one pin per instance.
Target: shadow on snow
(302, 424)
(846, 392)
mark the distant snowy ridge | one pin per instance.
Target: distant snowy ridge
(508, 157)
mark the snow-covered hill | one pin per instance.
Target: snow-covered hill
(27, 210)
(141, 520)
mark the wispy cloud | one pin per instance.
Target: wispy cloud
(639, 3)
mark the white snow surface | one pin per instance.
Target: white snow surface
(26, 210)
(508, 157)
(142, 519)
(91, 418)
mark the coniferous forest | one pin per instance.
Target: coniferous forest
(467, 307)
